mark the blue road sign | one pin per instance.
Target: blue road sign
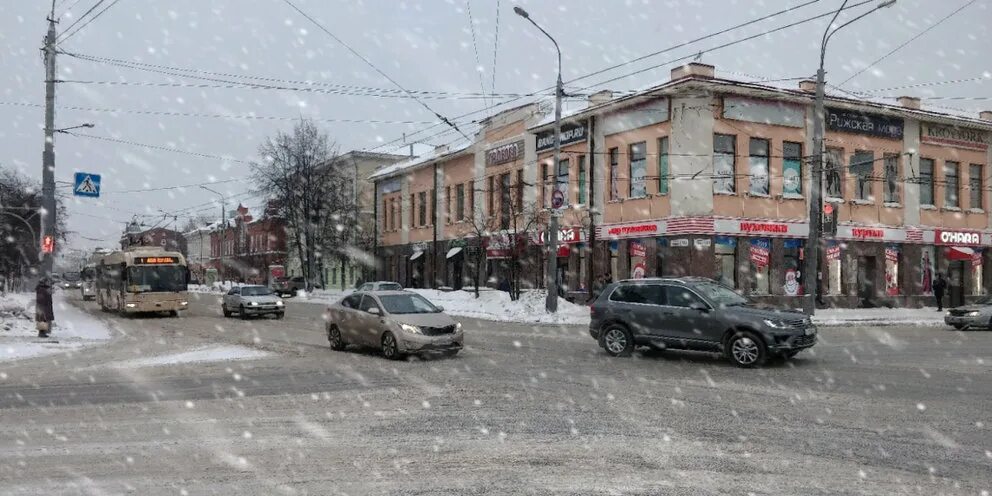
(86, 184)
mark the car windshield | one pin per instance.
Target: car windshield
(719, 294)
(255, 291)
(142, 279)
(407, 303)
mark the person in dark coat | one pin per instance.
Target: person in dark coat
(939, 285)
(597, 287)
(44, 314)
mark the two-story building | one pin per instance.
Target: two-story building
(711, 177)
(243, 248)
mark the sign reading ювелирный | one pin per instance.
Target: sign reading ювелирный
(861, 123)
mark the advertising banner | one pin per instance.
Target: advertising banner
(760, 252)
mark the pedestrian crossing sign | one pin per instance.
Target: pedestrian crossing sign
(86, 184)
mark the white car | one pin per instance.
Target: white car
(247, 301)
(380, 286)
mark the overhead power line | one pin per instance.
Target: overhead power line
(95, 17)
(495, 49)
(926, 84)
(475, 48)
(373, 66)
(900, 47)
(155, 147)
(80, 18)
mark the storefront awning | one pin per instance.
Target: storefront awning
(416, 255)
(454, 251)
(959, 253)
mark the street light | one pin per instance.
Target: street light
(223, 219)
(65, 130)
(811, 271)
(551, 278)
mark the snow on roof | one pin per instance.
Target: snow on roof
(415, 162)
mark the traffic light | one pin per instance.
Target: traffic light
(48, 244)
(829, 219)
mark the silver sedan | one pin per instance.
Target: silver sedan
(397, 322)
(975, 316)
(247, 301)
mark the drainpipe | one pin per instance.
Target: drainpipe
(434, 230)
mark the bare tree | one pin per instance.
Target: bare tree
(301, 171)
(20, 225)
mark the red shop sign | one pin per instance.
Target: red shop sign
(867, 233)
(960, 238)
(647, 228)
(764, 227)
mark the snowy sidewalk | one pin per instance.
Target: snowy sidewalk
(74, 328)
(928, 316)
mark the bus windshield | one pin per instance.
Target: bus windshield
(70, 276)
(141, 279)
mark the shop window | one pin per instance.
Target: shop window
(726, 261)
(951, 185)
(834, 173)
(758, 166)
(583, 266)
(892, 259)
(663, 166)
(976, 191)
(460, 202)
(927, 261)
(614, 172)
(581, 197)
(638, 170)
(891, 178)
(862, 166)
(637, 259)
(422, 205)
(977, 288)
(613, 253)
(760, 260)
(724, 152)
(792, 168)
(505, 197)
(792, 263)
(834, 281)
(561, 180)
(926, 181)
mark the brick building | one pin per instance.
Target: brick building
(243, 248)
(157, 236)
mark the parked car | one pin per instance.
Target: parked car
(977, 315)
(694, 313)
(380, 286)
(248, 301)
(397, 322)
(288, 286)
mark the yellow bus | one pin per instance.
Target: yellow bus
(142, 279)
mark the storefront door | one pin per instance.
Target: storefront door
(866, 278)
(563, 282)
(955, 283)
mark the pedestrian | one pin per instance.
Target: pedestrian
(44, 314)
(939, 285)
(597, 287)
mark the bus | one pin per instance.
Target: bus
(142, 279)
(88, 276)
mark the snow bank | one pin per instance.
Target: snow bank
(496, 305)
(221, 353)
(928, 316)
(74, 328)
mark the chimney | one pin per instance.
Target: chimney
(985, 115)
(693, 69)
(910, 102)
(807, 85)
(599, 97)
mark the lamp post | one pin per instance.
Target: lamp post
(811, 271)
(551, 278)
(223, 231)
(65, 130)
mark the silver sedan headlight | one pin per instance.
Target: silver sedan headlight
(279, 303)
(974, 313)
(254, 303)
(412, 329)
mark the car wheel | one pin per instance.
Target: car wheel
(334, 338)
(242, 313)
(746, 349)
(617, 340)
(390, 349)
(225, 311)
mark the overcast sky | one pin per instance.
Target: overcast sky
(424, 46)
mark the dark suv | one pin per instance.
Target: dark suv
(694, 313)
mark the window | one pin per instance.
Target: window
(677, 296)
(433, 206)
(891, 161)
(396, 213)
(413, 210)
(792, 169)
(760, 256)
(724, 151)
(926, 181)
(581, 196)
(422, 200)
(663, 166)
(975, 186)
(892, 259)
(614, 171)
(460, 202)
(951, 184)
(758, 166)
(386, 213)
(638, 170)
(351, 301)
(650, 294)
(561, 181)
(505, 197)
(834, 172)
(447, 203)
(491, 195)
(726, 260)
(862, 166)
(471, 199)
(367, 303)
(520, 190)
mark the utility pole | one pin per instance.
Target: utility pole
(48, 166)
(811, 273)
(551, 278)
(223, 230)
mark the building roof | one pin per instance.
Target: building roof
(417, 162)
